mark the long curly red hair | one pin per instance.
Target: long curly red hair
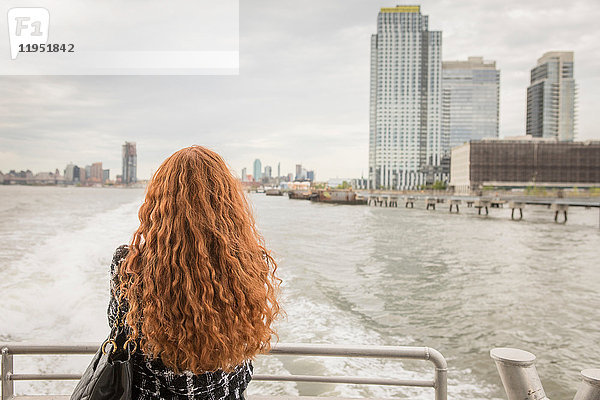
(201, 287)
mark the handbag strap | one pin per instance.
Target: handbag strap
(118, 332)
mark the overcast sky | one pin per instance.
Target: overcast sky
(302, 95)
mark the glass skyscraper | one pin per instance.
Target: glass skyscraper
(470, 101)
(257, 170)
(129, 163)
(551, 97)
(405, 145)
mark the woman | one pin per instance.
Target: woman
(196, 285)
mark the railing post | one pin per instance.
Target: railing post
(7, 370)
(441, 384)
(441, 373)
(518, 374)
(589, 389)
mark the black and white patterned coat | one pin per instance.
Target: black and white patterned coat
(152, 380)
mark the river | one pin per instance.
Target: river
(462, 284)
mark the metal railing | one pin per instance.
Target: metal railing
(522, 382)
(439, 382)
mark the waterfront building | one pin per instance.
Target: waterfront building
(244, 173)
(470, 101)
(78, 173)
(129, 169)
(69, 173)
(88, 173)
(96, 173)
(310, 175)
(298, 172)
(524, 162)
(267, 172)
(359, 183)
(257, 170)
(105, 175)
(278, 169)
(551, 97)
(405, 138)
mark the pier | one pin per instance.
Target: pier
(483, 204)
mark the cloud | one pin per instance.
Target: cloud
(302, 94)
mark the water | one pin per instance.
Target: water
(462, 284)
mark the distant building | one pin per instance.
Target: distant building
(470, 101)
(267, 172)
(551, 97)
(278, 169)
(405, 146)
(244, 173)
(290, 177)
(129, 155)
(257, 170)
(96, 174)
(523, 162)
(78, 173)
(105, 175)
(298, 172)
(70, 173)
(88, 173)
(310, 175)
(360, 183)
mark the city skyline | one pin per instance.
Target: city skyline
(312, 108)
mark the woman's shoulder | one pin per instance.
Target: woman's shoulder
(118, 257)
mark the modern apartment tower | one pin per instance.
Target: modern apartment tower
(470, 101)
(257, 170)
(129, 163)
(551, 97)
(405, 146)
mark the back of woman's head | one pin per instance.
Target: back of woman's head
(201, 286)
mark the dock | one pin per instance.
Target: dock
(483, 204)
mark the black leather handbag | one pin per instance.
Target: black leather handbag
(108, 377)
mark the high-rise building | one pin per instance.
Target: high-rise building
(298, 172)
(78, 174)
(278, 169)
(244, 173)
(96, 174)
(88, 173)
(105, 175)
(257, 170)
(470, 101)
(405, 147)
(551, 97)
(70, 172)
(310, 175)
(268, 171)
(129, 163)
